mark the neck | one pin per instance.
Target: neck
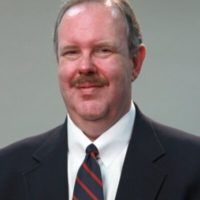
(95, 128)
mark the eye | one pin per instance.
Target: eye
(71, 54)
(103, 52)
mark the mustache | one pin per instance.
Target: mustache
(93, 79)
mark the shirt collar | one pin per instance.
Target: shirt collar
(110, 144)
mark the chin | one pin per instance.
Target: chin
(91, 117)
(89, 110)
(93, 114)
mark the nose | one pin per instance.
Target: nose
(87, 65)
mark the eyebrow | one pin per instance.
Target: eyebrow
(99, 44)
(66, 47)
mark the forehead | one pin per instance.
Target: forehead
(81, 7)
(94, 22)
(100, 9)
(88, 13)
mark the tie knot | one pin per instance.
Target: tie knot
(92, 150)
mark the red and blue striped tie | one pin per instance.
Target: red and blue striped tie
(88, 185)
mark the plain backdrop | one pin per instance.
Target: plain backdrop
(167, 90)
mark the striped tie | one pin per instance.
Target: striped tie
(88, 185)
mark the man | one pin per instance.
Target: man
(100, 53)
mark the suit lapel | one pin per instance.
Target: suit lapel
(142, 175)
(143, 172)
(47, 177)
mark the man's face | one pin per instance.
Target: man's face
(95, 69)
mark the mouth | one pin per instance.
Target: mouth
(89, 91)
(89, 85)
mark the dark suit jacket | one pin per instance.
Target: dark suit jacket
(161, 164)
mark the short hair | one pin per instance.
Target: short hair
(134, 37)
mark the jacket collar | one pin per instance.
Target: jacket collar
(142, 175)
(143, 171)
(47, 177)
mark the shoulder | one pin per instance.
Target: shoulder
(175, 138)
(168, 136)
(179, 155)
(20, 157)
(20, 151)
(182, 149)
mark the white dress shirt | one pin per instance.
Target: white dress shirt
(112, 146)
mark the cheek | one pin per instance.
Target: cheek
(65, 74)
(121, 81)
(118, 71)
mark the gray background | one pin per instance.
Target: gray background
(168, 89)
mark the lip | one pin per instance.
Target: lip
(89, 90)
(88, 85)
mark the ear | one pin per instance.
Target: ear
(138, 61)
